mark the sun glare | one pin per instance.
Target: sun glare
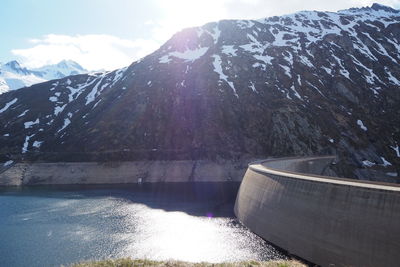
(180, 14)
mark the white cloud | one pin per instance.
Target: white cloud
(93, 52)
(180, 14)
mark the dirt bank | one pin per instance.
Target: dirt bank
(122, 172)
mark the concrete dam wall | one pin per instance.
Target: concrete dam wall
(326, 220)
(122, 172)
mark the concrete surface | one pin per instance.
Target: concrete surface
(325, 220)
(122, 172)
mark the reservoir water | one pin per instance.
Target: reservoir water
(51, 226)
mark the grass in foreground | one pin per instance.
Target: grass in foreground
(149, 263)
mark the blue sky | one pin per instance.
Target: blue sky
(107, 34)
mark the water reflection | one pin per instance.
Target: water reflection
(184, 222)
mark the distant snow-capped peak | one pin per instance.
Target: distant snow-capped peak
(14, 76)
(60, 70)
(14, 67)
(375, 9)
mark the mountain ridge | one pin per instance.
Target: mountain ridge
(302, 84)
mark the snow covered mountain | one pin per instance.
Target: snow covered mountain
(13, 76)
(60, 70)
(301, 84)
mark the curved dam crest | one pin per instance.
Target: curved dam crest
(326, 220)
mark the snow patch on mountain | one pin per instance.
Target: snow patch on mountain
(218, 69)
(26, 143)
(23, 113)
(188, 55)
(37, 144)
(229, 50)
(361, 124)
(385, 162)
(8, 163)
(29, 124)
(67, 122)
(368, 163)
(215, 34)
(9, 104)
(59, 109)
(397, 150)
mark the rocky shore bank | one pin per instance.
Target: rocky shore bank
(20, 174)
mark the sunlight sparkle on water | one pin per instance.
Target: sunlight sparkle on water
(165, 235)
(157, 223)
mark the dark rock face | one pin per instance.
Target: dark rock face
(301, 84)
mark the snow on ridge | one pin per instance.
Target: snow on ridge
(92, 95)
(67, 122)
(376, 10)
(253, 88)
(26, 143)
(165, 59)
(314, 25)
(217, 63)
(257, 50)
(316, 88)
(306, 61)
(342, 69)
(245, 24)
(118, 75)
(385, 162)
(361, 124)
(295, 92)
(9, 104)
(188, 55)
(229, 50)
(368, 163)
(287, 70)
(59, 109)
(37, 144)
(397, 150)
(199, 32)
(381, 50)
(391, 78)
(75, 92)
(363, 49)
(327, 70)
(8, 163)
(371, 76)
(215, 34)
(29, 124)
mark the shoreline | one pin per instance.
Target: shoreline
(174, 263)
(127, 172)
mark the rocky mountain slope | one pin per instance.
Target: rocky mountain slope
(13, 76)
(301, 84)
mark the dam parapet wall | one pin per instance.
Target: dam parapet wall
(314, 166)
(328, 221)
